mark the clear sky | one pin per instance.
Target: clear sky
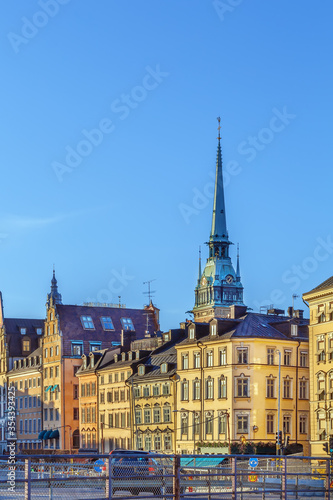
(108, 144)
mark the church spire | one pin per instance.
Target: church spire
(54, 294)
(199, 274)
(219, 224)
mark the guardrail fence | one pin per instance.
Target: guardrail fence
(195, 477)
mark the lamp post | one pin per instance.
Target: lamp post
(279, 403)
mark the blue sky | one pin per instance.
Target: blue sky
(108, 146)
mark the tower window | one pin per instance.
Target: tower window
(87, 322)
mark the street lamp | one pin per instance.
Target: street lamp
(279, 404)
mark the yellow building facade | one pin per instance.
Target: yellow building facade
(320, 301)
(229, 389)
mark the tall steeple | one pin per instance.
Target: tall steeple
(219, 223)
(219, 286)
(54, 294)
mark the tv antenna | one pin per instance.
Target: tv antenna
(149, 292)
(294, 297)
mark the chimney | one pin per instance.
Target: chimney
(127, 336)
(237, 311)
(290, 311)
(298, 313)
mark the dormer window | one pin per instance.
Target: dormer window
(127, 324)
(87, 323)
(115, 357)
(123, 356)
(39, 331)
(294, 330)
(26, 345)
(164, 367)
(107, 323)
(141, 370)
(213, 329)
(166, 337)
(23, 331)
(191, 334)
(130, 356)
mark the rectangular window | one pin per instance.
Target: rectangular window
(107, 323)
(21, 426)
(196, 360)
(127, 324)
(76, 391)
(210, 388)
(222, 423)
(184, 390)
(223, 357)
(94, 346)
(34, 426)
(270, 383)
(286, 424)
(166, 414)
(209, 358)
(242, 387)
(242, 355)
(51, 413)
(166, 389)
(147, 416)
(34, 401)
(102, 397)
(25, 426)
(30, 426)
(146, 391)
(209, 423)
(242, 424)
(157, 415)
(303, 358)
(77, 349)
(287, 357)
(138, 417)
(287, 388)
(196, 389)
(87, 323)
(57, 414)
(75, 413)
(167, 442)
(185, 361)
(270, 424)
(222, 387)
(110, 419)
(156, 390)
(270, 356)
(302, 424)
(88, 390)
(184, 424)
(303, 389)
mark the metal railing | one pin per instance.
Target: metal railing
(178, 477)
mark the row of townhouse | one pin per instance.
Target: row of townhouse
(205, 384)
(39, 360)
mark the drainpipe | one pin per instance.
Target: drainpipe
(299, 343)
(202, 347)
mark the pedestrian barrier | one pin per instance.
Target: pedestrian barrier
(193, 477)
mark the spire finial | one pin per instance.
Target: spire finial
(199, 276)
(238, 268)
(219, 128)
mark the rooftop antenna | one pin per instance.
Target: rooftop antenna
(119, 299)
(150, 292)
(294, 297)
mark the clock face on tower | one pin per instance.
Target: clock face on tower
(229, 279)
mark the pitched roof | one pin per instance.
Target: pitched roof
(13, 334)
(35, 354)
(72, 328)
(323, 286)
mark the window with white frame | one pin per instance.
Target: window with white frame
(209, 423)
(222, 423)
(242, 355)
(147, 415)
(77, 349)
(242, 386)
(138, 416)
(166, 414)
(209, 388)
(223, 356)
(286, 424)
(303, 424)
(270, 355)
(303, 358)
(127, 324)
(242, 424)
(87, 323)
(213, 329)
(184, 424)
(157, 414)
(191, 333)
(196, 360)
(196, 389)
(166, 389)
(287, 357)
(146, 391)
(223, 387)
(184, 390)
(209, 358)
(185, 361)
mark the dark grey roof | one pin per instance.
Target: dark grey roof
(37, 353)
(13, 334)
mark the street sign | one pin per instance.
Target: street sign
(99, 465)
(253, 462)
(253, 478)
